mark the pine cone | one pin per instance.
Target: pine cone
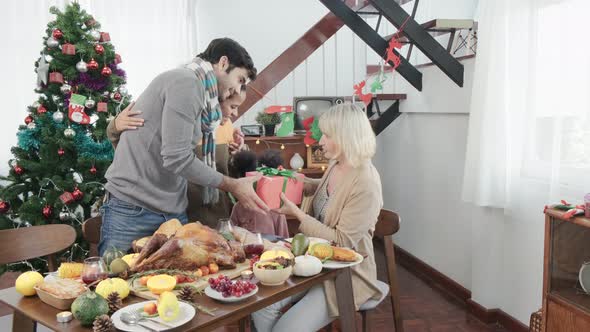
(115, 302)
(187, 293)
(103, 323)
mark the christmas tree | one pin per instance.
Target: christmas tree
(57, 173)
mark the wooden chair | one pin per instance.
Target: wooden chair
(387, 225)
(91, 232)
(36, 241)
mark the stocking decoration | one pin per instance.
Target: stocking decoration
(76, 110)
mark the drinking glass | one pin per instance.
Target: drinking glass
(94, 269)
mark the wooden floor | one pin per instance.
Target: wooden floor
(424, 309)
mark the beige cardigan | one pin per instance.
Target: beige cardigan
(350, 222)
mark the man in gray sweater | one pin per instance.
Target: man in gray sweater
(147, 181)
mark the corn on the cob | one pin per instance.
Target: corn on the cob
(70, 270)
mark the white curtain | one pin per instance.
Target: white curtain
(530, 109)
(150, 35)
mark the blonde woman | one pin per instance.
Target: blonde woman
(345, 205)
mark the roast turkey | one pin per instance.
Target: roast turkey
(174, 246)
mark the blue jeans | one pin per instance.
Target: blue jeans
(124, 222)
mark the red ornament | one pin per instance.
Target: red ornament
(57, 34)
(41, 110)
(358, 90)
(116, 96)
(106, 71)
(66, 197)
(105, 37)
(61, 152)
(77, 194)
(18, 170)
(4, 207)
(99, 49)
(117, 59)
(47, 211)
(92, 170)
(92, 65)
(28, 119)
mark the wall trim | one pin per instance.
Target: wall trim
(452, 288)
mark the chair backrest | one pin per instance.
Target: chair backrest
(387, 223)
(91, 232)
(36, 241)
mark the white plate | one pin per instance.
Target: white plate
(331, 265)
(219, 297)
(187, 312)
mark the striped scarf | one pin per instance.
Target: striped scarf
(210, 119)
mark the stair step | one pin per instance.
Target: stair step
(441, 26)
(390, 96)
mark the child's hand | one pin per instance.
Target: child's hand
(127, 119)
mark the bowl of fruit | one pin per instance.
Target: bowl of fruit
(274, 267)
(224, 289)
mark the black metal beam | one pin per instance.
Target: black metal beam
(421, 38)
(373, 39)
(387, 118)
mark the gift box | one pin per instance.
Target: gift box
(274, 181)
(105, 37)
(56, 77)
(69, 49)
(101, 107)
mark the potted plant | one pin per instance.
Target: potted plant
(269, 121)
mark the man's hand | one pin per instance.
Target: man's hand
(238, 142)
(243, 191)
(127, 119)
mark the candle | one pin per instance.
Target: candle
(64, 316)
(246, 275)
(323, 168)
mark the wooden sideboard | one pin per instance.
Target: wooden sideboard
(566, 307)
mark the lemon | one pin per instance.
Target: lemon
(26, 282)
(168, 307)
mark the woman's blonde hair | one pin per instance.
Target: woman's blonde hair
(347, 124)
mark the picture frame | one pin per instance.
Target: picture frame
(316, 158)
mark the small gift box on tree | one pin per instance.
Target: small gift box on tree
(69, 49)
(105, 37)
(56, 77)
(101, 107)
(277, 180)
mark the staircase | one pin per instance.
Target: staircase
(352, 14)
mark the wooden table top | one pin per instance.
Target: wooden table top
(225, 313)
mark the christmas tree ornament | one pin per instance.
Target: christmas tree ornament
(390, 55)
(58, 117)
(81, 66)
(64, 215)
(55, 98)
(95, 35)
(101, 107)
(123, 90)
(106, 94)
(68, 49)
(90, 103)
(28, 119)
(92, 65)
(41, 110)
(61, 152)
(65, 89)
(42, 71)
(99, 49)
(57, 34)
(77, 177)
(103, 323)
(48, 58)
(116, 96)
(93, 118)
(47, 211)
(115, 302)
(106, 71)
(56, 77)
(36, 104)
(358, 91)
(76, 109)
(118, 59)
(90, 22)
(66, 197)
(92, 170)
(32, 125)
(77, 194)
(4, 207)
(69, 132)
(105, 37)
(52, 42)
(18, 170)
